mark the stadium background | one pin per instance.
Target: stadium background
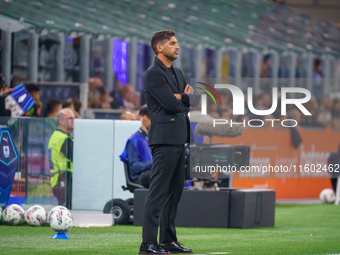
(60, 44)
(223, 40)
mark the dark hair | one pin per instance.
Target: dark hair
(51, 104)
(266, 57)
(317, 62)
(67, 103)
(144, 111)
(101, 90)
(124, 90)
(76, 104)
(160, 37)
(32, 88)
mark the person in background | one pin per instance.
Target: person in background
(53, 106)
(265, 67)
(16, 80)
(126, 98)
(94, 94)
(336, 114)
(3, 93)
(127, 115)
(77, 106)
(34, 90)
(317, 79)
(60, 150)
(137, 152)
(69, 103)
(105, 99)
(265, 73)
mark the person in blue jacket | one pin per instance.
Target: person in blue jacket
(137, 152)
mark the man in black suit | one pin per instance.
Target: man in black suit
(168, 98)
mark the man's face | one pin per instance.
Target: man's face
(68, 121)
(130, 94)
(36, 95)
(57, 108)
(147, 122)
(170, 49)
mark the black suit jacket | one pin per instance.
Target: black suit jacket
(169, 116)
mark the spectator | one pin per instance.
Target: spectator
(18, 80)
(104, 98)
(324, 119)
(128, 116)
(266, 101)
(60, 148)
(34, 91)
(295, 115)
(336, 108)
(93, 99)
(95, 82)
(258, 104)
(268, 121)
(3, 92)
(70, 104)
(324, 116)
(313, 107)
(126, 98)
(265, 67)
(137, 152)
(336, 114)
(94, 94)
(77, 106)
(265, 73)
(53, 106)
(317, 79)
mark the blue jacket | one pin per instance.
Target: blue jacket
(137, 153)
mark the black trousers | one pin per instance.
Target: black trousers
(334, 182)
(166, 188)
(63, 190)
(144, 178)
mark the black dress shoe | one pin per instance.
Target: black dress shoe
(176, 248)
(152, 249)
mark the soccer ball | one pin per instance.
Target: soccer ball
(36, 215)
(61, 221)
(14, 214)
(327, 196)
(54, 209)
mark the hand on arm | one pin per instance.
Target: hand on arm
(178, 96)
(188, 89)
(189, 97)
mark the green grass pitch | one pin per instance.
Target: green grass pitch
(299, 229)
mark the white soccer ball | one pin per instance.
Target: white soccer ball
(327, 196)
(14, 214)
(54, 209)
(36, 215)
(61, 221)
